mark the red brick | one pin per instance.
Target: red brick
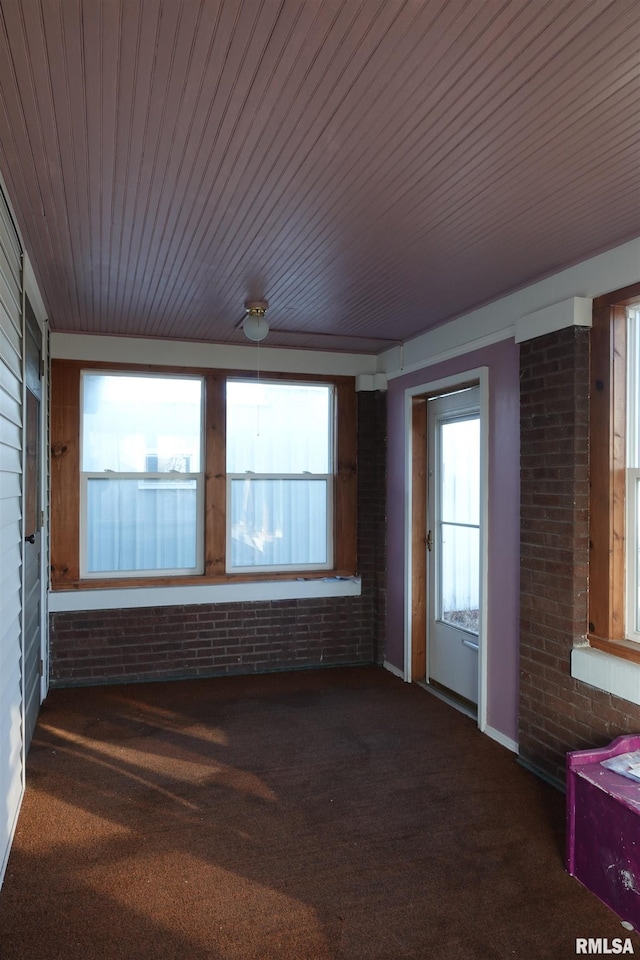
(557, 713)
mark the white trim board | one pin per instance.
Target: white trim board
(501, 739)
(394, 670)
(371, 381)
(182, 353)
(497, 321)
(574, 312)
(606, 672)
(32, 290)
(457, 350)
(131, 597)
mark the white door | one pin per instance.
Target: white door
(453, 543)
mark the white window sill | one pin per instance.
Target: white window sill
(119, 599)
(606, 672)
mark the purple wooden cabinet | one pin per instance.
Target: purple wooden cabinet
(603, 828)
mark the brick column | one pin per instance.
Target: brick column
(554, 532)
(372, 546)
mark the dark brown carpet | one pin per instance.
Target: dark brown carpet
(301, 816)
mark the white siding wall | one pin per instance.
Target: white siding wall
(11, 393)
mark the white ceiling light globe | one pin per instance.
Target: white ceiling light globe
(255, 328)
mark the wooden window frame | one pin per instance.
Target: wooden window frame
(65, 479)
(607, 474)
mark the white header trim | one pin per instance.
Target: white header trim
(32, 290)
(460, 350)
(63, 601)
(371, 381)
(497, 321)
(181, 353)
(575, 312)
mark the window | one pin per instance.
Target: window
(614, 615)
(200, 475)
(279, 475)
(140, 511)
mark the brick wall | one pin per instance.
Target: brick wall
(557, 713)
(213, 639)
(372, 526)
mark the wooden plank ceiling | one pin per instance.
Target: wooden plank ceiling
(371, 167)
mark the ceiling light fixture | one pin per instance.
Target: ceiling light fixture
(255, 325)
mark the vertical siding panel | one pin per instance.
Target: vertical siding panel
(11, 713)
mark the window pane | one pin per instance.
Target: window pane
(633, 387)
(460, 471)
(141, 424)
(278, 522)
(278, 427)
(460, 576)
(141, 525)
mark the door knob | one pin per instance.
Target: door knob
(31, 538)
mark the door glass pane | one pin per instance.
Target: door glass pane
(141, 525)
(278, 522)
(459, 522)
(460, 452)
(460, 576)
